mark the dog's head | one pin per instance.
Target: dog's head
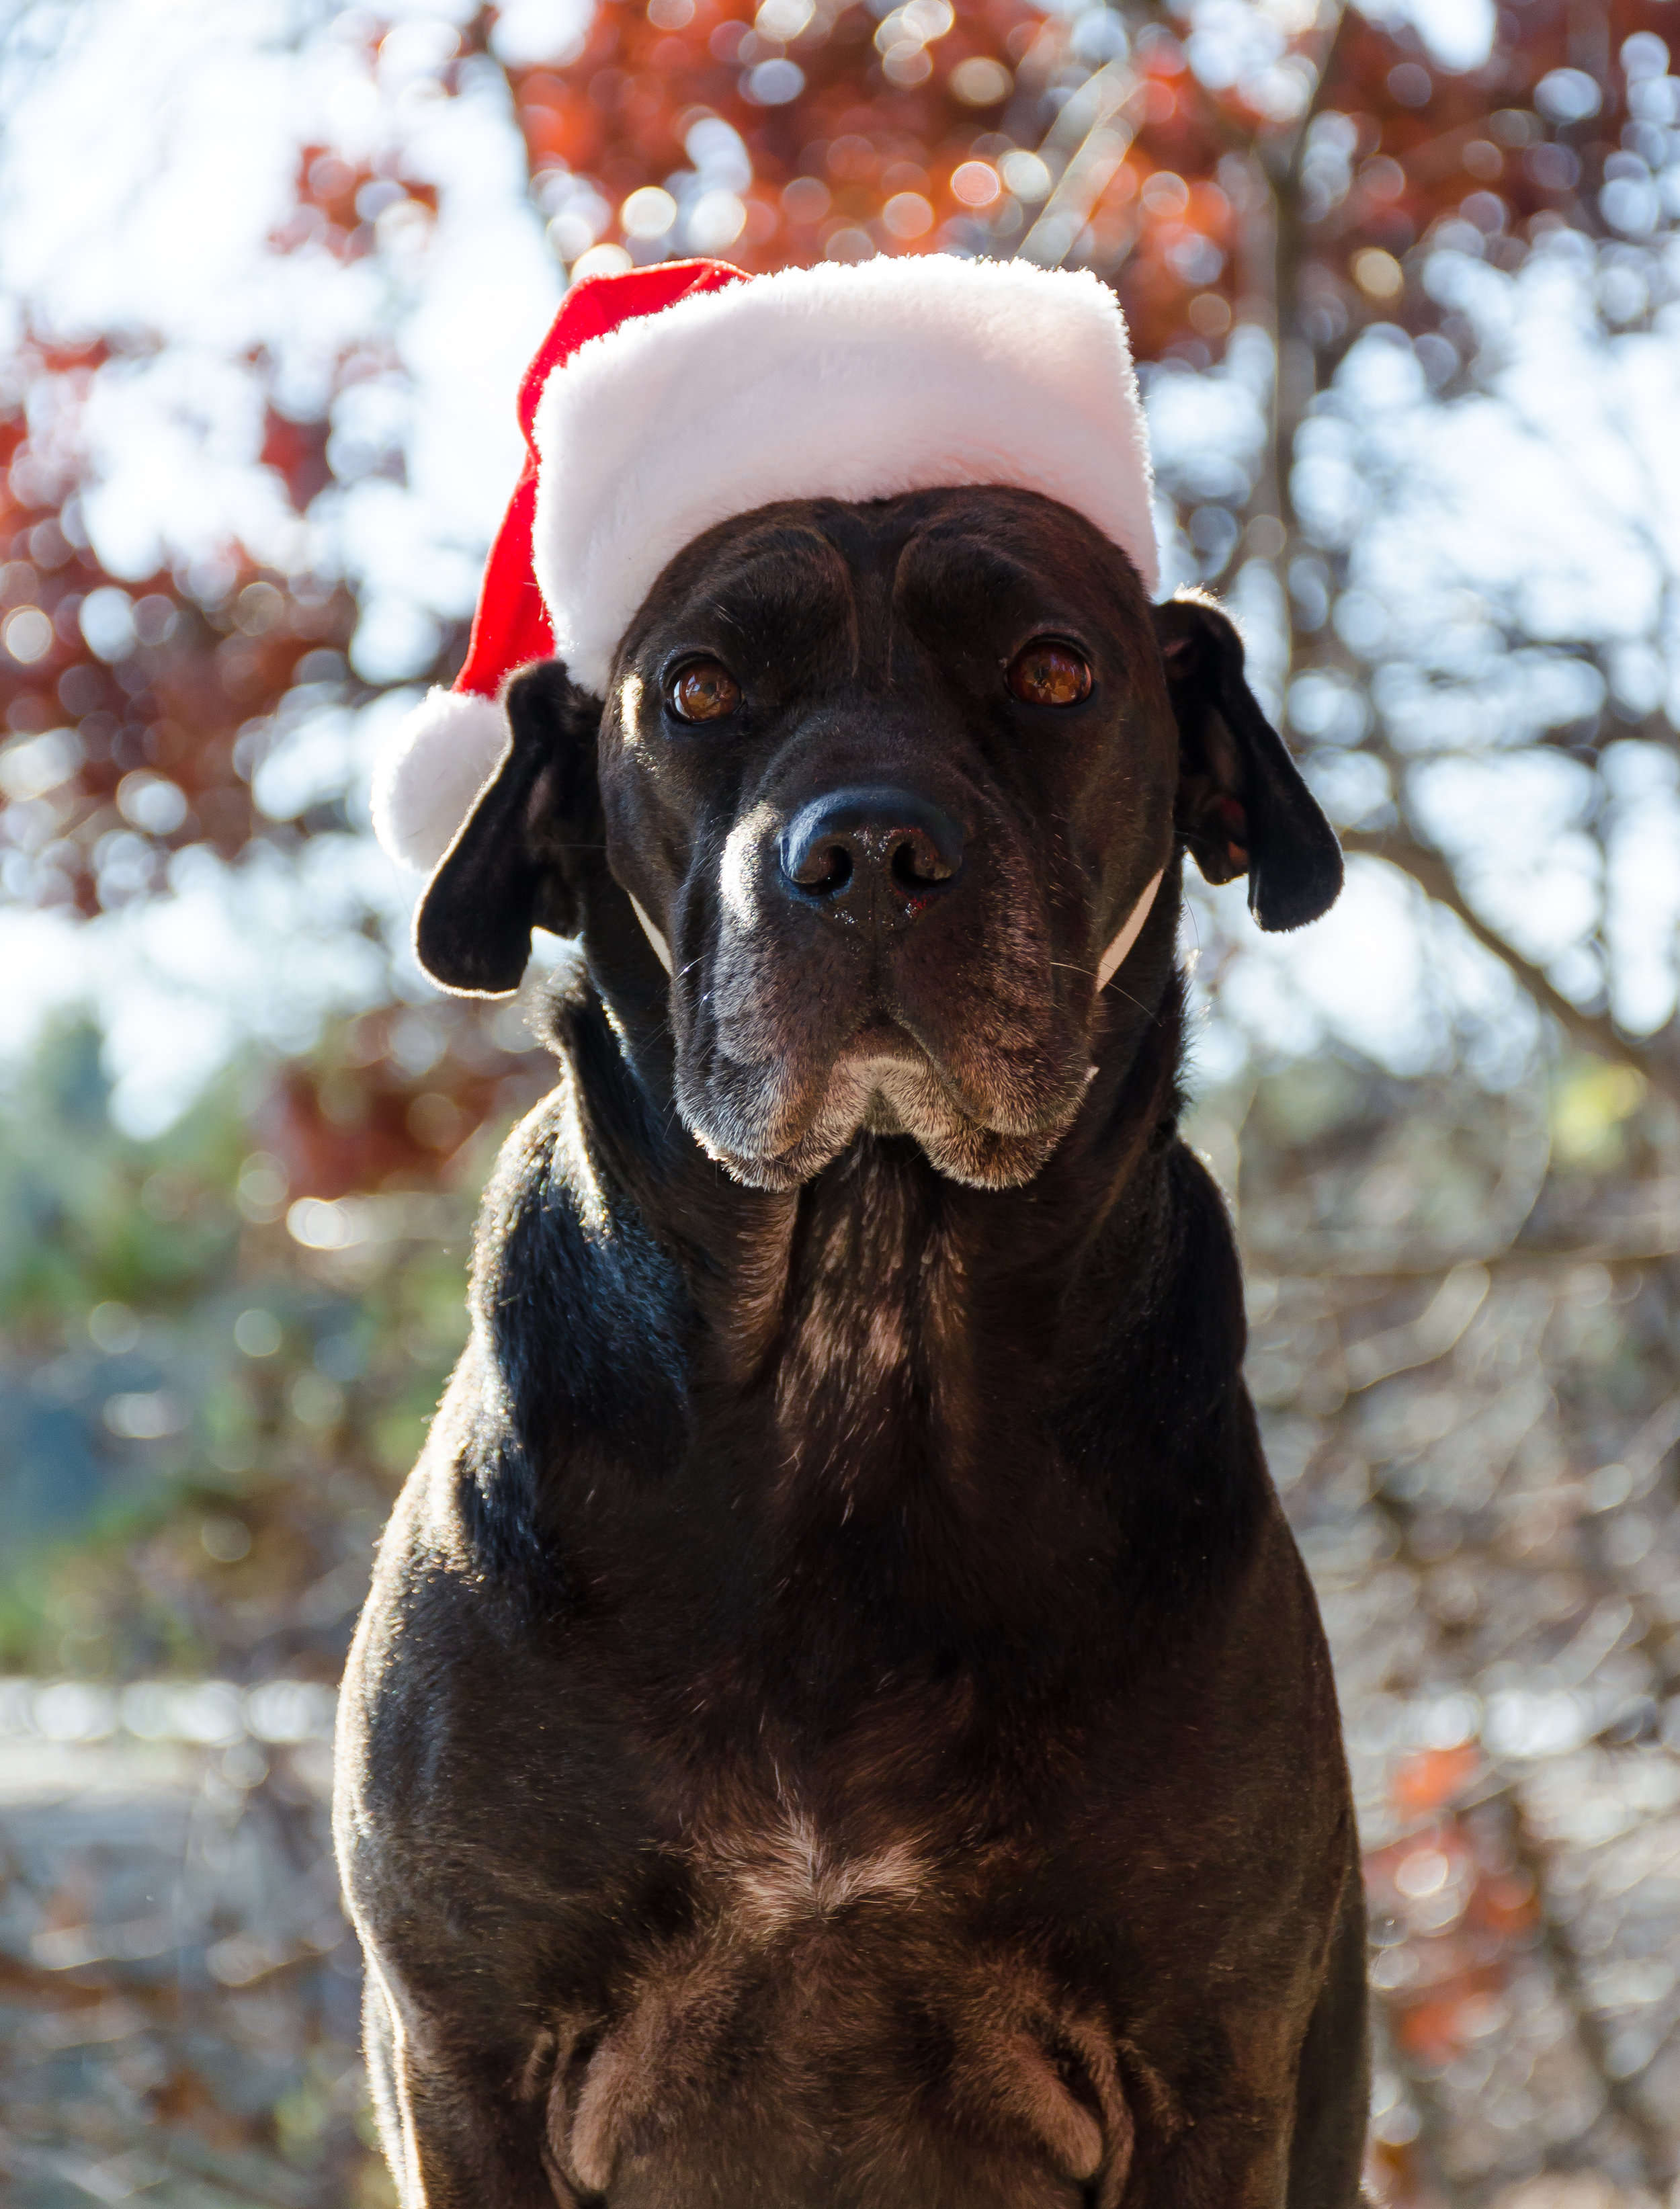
(893, 788)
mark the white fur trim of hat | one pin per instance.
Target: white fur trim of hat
(851, 381)
(429, 780)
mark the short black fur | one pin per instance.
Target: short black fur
(1243, 805)
(506, 872)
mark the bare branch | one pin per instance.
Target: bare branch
(1088, 141)
(1596, 1032)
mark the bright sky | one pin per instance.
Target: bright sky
(148, 152)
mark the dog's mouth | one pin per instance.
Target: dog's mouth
(773, 1126)
(883, 1053)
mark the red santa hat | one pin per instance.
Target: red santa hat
(667, 399)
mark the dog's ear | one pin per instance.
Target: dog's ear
(1242, 807)
(509, 869)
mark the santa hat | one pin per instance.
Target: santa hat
(667, 399)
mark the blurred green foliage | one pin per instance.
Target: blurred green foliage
(203, 1417)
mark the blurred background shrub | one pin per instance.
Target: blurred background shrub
(1405, 283)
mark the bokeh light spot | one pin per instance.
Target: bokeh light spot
(976, 183)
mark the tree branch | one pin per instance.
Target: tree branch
(1596, 1032)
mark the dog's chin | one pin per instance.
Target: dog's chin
(897, 1094)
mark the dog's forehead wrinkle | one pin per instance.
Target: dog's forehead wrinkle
(934, 554)
(787, 578)
(869, 604)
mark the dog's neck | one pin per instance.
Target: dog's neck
(902, 1399)
(912, 1392)
(880, 1290)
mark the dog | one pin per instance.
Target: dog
(840, 1721)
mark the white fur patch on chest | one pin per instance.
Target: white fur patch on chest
(788, 1875)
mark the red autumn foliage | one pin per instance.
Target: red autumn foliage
(1453, 1905)
(147, 759)
(1433, 1777)
(340, 1128)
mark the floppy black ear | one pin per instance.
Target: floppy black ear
(509, 869)
(1242, 806)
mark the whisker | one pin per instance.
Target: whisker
(1068, 966)
(1153, 1019)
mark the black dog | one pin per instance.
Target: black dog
(840, 1722)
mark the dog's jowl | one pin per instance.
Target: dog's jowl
(840, 1722)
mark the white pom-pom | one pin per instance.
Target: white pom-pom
(425, 786)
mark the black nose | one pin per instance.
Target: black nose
(872, 853)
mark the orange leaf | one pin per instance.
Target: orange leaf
(1431, 1778)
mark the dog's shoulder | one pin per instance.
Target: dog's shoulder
(581, 1312)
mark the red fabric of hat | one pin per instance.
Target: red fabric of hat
(451, 744)
(511, 627)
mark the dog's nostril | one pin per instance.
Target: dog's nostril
(916, 863)
(825, 867)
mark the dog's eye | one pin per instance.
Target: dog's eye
(704, 690)
(1049, 674)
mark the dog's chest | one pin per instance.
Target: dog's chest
(773, 1874)
(825, 1836)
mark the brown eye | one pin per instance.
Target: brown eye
(1049, 674)
(704, 690)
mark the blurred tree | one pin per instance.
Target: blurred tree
(1406, 313)
(1310, 173)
